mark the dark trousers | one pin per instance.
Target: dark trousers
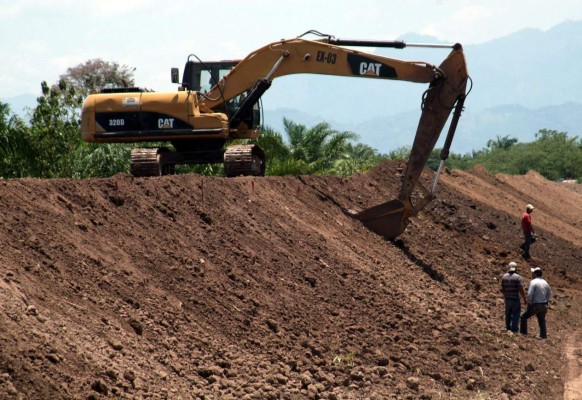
(527, 237)
(512, 310)
(540, 311)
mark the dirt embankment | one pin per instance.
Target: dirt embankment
(184, 287)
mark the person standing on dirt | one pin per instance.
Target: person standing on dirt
(539, 294)
(512, 289)
(528, 231)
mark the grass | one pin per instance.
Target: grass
(344, 359)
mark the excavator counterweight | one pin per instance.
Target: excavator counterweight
(219, 101)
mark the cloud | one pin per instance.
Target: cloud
(10, 11)
(34, 48)
(465, 25)
(116, 8)
(20, 8)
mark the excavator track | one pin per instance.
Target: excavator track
(245, 160)
(149, 162)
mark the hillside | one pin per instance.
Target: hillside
(184, 287)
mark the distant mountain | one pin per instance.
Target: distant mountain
(475, 129)
(530, 68)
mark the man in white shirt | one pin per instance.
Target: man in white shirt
(538, 297)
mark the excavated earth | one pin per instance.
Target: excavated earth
(190, 287)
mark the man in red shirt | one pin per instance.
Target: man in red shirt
(528, 231)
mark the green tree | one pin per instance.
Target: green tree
(462, 161)
(316, 150)
(52, 144)
(502, 143)
(55, 133)
(96, 73)
(553, 154)
(401, 153)
(559, 155)
(319, 146)
(102, 160)
(356, 158)
(306, 151)
(275, 148)
(16, 154)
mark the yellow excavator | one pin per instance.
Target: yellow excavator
(217, 102)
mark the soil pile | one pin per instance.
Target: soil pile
(189, 287)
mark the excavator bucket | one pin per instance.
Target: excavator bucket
(444, 94)
(386, 219)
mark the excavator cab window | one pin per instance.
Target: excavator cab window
(202, 76)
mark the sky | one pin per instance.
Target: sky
(40, 39)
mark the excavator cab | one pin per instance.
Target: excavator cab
(201, 77)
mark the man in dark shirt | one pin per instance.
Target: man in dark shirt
(528, 231)
(512, 288)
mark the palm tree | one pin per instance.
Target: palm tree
(356, 158)
(318, 147)
(316, 150)
(502, 143)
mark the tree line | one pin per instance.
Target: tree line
(49, 144)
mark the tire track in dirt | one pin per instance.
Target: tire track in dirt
(573, 386)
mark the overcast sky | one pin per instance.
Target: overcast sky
(40, 39)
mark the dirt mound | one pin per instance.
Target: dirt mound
(187, 287)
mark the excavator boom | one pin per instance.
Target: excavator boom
(301, 56)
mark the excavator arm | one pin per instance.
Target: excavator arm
(446, 92)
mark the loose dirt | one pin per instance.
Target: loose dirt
(189, 287)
